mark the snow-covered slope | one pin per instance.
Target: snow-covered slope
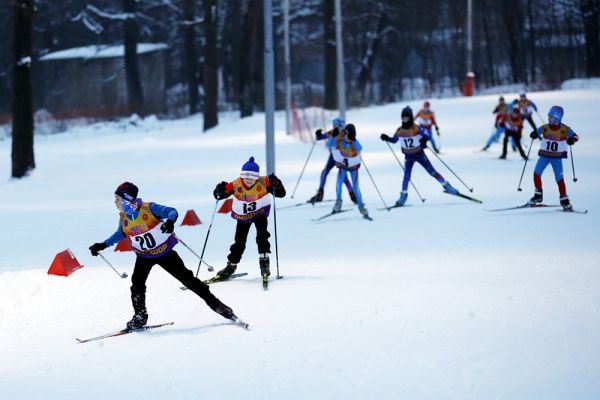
(438, 300)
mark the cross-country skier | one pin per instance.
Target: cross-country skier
(251, 206)
(150, 226)
(527, 107)
(555, 137)
(413, 141)
(345, 150)
(513, 125)
(500, 112)
(338, 123)
(426, 119)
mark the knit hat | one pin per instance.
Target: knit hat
(250, 170)
(127, 191)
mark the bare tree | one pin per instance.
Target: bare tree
(22, 98)
(330, 55)
(132, 72)
(189, 54)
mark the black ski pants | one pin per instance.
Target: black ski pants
(241, 235)
(173, 264)
(517, 137)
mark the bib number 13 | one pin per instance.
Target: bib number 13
(146, 239)
(249, 207)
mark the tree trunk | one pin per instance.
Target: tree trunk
(190, 56)
(330, 55)
(132, 73)
(22, 106)
(368, 59)
(248, 51)
(211, 77)
(591, 25)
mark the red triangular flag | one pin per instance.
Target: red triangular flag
(226, 207)
(191, 218)
(124, 245)
(64, 264)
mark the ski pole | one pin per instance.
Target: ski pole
(276, 248)
(402, 166)
(572, 163)
(525, 165)
(210, 267)
(206, 239)
(449, 169)
(303, 168)
(372, 180)
(123, 275)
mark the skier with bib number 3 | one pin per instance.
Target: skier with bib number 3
(555, 137)
(150, 226)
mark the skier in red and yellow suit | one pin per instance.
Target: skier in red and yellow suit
(513, 125)
(425, 118)
(251, 205)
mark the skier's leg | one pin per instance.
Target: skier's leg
(517, 141)
(408, 166)
(540, 166)
(328, 166)
(507, 134)
(141, 270)
(264, 247)
(237, 248)
(356, 187)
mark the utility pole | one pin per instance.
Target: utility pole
(288, 67)
(469, 84)
(339, 46)
(269, 72)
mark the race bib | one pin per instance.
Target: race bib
(410, 143)
(149, 241)
(553, 148)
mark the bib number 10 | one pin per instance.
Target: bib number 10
(551, 146)
(249, 207)
(146, 239)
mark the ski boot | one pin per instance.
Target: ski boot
(502, 157)
(263, 261)
(226, 272)
(337, 207)
(449, 188)
(141, 315)
(565, 203)
(317, 197)
(364, 212)
(353, 197)
(402, 200)
(536, 199)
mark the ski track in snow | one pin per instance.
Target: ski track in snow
(439, 300)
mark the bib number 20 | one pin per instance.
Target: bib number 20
(146, 239)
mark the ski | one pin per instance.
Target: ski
(217, 278)
(392, 207)
(572, 210)
(123, 332)
(368, 217)
(526, 205)
(330, 214)
(464, 196)
(304, 203)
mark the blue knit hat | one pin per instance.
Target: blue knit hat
(250, 170)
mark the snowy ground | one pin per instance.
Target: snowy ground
(440, 300)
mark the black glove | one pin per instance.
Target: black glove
(351, 131)
(168, 226)
(572, 140)
(437, 130)
(385, 137)
(318, 133)
(533, 135)
(423, 141)
(336, 131)
(220, 190)
(96, 247)
(275, 182)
